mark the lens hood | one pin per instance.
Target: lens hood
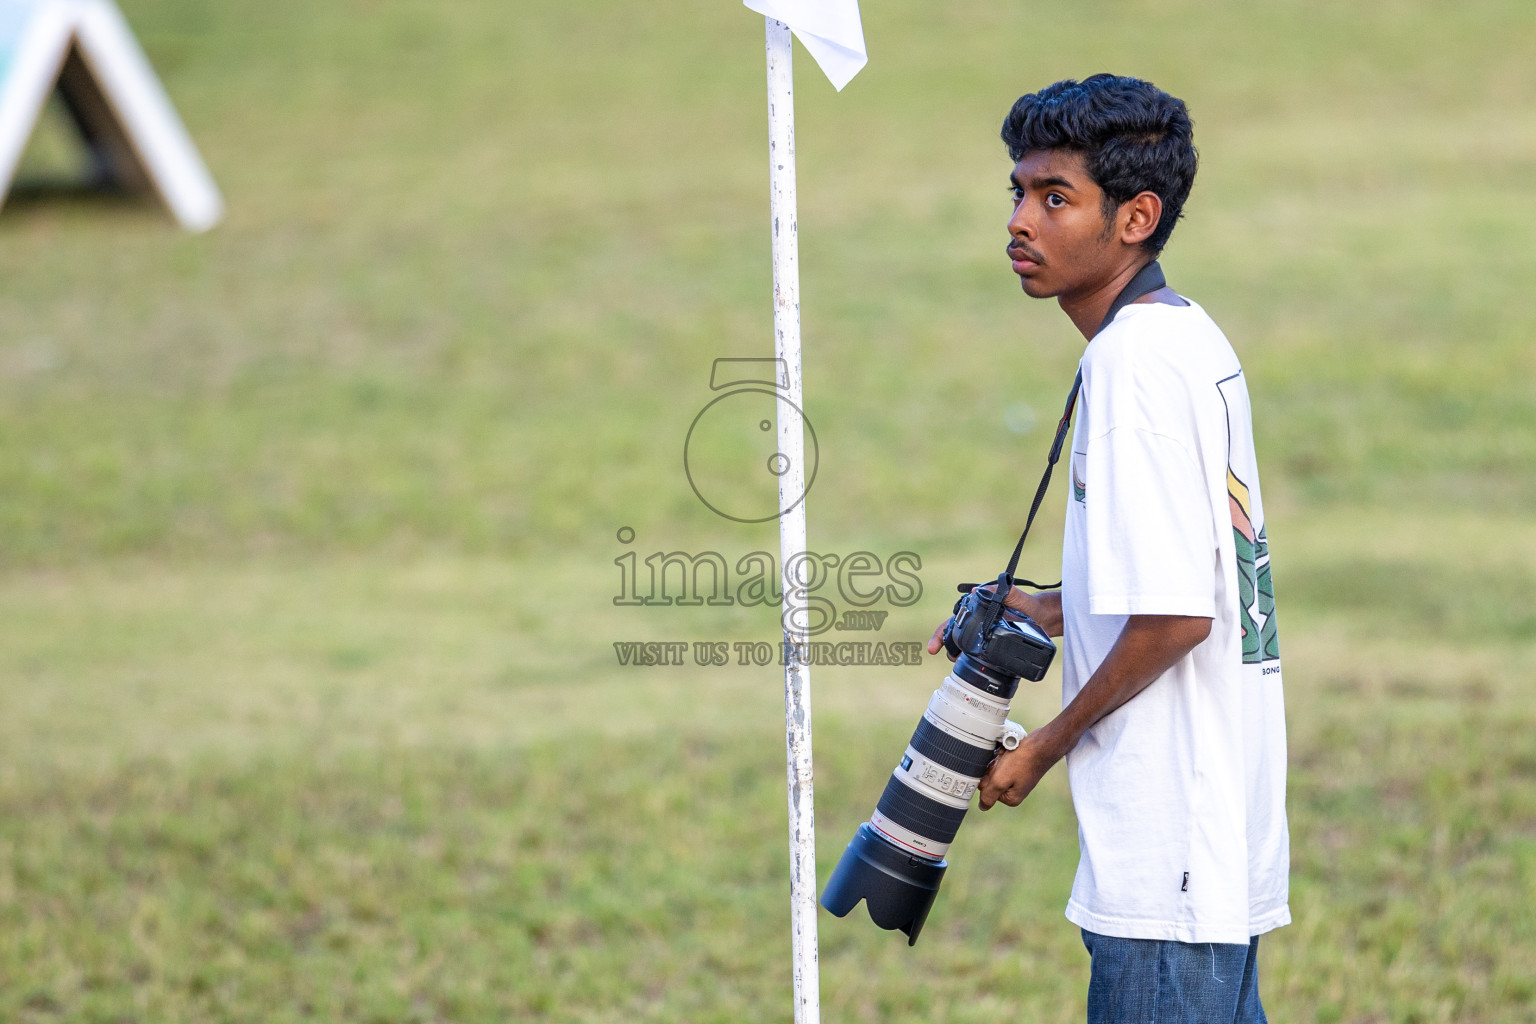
(898, 888)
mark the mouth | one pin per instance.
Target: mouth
(1024, 260)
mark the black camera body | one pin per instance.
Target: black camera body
(1009, 646)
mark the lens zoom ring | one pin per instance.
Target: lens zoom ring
(955, 754)
(910, 809)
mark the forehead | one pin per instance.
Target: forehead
(1054, 166)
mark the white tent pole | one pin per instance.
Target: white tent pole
(797, 677)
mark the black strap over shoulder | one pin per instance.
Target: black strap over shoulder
(1147, 280)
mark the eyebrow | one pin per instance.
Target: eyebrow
(1051, 181)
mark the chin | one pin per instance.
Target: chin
(1037, 289)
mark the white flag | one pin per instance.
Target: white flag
(829, 30)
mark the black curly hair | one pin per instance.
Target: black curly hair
(1133, 136)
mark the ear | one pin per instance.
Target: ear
(1139, 217)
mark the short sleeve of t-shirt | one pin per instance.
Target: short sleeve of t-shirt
(1149, 527)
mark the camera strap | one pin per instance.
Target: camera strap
(1147, 280)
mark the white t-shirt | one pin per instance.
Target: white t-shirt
(1180, 793)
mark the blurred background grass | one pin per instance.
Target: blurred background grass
(308, 707)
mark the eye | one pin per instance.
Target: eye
(1016, 194)
(1055, 200)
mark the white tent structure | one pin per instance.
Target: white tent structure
(85, 50)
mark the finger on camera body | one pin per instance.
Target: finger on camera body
(936, 642)
(1019, 601)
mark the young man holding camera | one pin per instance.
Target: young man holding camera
(1172, 724)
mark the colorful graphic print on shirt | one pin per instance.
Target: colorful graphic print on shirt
(1256, 589)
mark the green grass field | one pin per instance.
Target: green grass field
(308, 703)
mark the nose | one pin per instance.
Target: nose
(1021, 224)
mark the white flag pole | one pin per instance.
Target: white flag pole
(797, 677)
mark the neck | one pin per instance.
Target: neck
(1086, 308)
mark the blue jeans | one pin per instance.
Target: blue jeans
(1152, 981)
